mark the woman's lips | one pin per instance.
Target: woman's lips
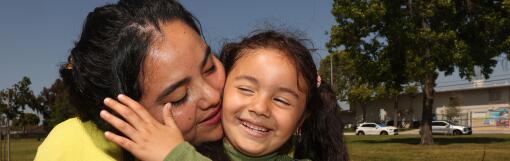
(214, 118)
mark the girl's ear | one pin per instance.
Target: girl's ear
(303, 118)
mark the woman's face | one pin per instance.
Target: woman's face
(263, 102)
(180, 69)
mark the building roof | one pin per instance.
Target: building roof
(472, 87)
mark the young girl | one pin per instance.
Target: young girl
(271, 93)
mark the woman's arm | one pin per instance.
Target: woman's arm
(145, 137)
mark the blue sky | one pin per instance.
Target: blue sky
(36, 36)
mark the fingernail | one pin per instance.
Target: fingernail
(106, 100)
(103, 113)
(120, 95)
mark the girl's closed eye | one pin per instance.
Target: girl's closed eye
(281, 101)
(245, 90)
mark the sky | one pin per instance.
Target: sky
(36, 36)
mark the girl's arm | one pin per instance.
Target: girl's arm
(145, 137)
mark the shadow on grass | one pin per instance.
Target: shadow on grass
(437, 141)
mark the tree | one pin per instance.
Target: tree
(14, 100)
(452, 109)
(54, 104)
(24, 120)
(412, 41)
(348, 85)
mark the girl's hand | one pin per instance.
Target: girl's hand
(147, 139)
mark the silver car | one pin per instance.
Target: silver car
(446, 127)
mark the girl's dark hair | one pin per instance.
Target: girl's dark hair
(322, 131)
(108, 58)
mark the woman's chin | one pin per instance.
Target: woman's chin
(210, 135)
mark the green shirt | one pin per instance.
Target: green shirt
(186, 151)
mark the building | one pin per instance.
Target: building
(480, 105)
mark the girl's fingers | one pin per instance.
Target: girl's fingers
(121, 141)
(125, 112)
(119, 124)
(136, 107)
(167, 116)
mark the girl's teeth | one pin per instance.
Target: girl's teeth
(254, 127)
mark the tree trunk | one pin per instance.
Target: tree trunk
(426, 116)
(364, 108)
(395, 112)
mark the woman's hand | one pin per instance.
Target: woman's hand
(147, 139)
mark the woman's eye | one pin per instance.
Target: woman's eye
(210, 70)
(282, 101)
(180, 101)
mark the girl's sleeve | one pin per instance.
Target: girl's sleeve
(185, 151)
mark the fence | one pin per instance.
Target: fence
(462, 119)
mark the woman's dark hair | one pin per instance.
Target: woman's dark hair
(322, 131)
(108, 58)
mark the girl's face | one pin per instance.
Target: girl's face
(263, 102)
(180, 69)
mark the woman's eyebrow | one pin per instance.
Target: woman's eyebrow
(171, 88)
(206, 55)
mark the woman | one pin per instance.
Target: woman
(151, 51)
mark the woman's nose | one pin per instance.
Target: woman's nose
(210, 96)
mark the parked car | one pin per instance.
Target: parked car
(369, 128)
(446, 127)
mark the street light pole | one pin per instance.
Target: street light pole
(330, 64)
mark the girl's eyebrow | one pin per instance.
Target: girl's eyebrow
(256, 82)
(290, 91)
(248, 78)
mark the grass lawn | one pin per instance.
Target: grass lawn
(24, 149)
(380, 148)
(446, 148)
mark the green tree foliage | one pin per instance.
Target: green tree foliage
(16, 99)
(54, 104)
(452, 110)
(347, 84)
(397, 42)
(24, 120)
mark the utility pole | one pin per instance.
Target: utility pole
(8, 127)
(331, 70)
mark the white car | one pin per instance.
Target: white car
(446, 127)
(375, 129)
